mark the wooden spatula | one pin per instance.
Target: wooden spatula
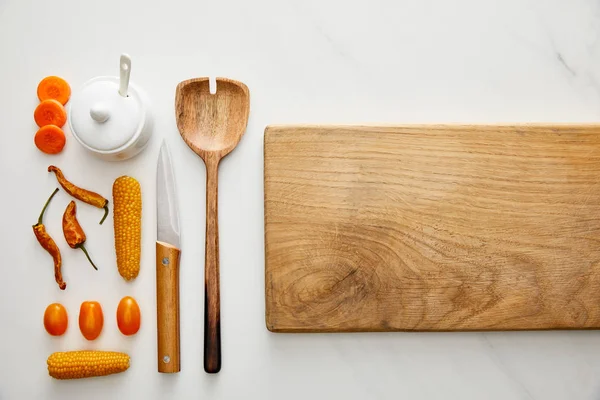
(212, 125)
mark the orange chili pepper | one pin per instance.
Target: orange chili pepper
(74, 234)
(86, 196)
(49, 244)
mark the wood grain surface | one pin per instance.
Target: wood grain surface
(212, 285)
(432, 228)
(212, 125)
(167, 308)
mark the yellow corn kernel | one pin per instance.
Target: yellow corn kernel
(127, 208)
(86, 363)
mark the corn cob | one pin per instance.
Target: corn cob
(127, 208)
(86, 364)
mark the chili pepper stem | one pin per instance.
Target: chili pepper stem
(105, 213)
(88, 256)
(46, 206)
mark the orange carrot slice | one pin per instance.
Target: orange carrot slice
(54, 87)
(50, 139)
(50, 112)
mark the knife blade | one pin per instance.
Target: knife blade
(167, 265)
(167, 211)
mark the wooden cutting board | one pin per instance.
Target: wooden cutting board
(432, 228)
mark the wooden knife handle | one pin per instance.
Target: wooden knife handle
(167, 307)
(212, 301)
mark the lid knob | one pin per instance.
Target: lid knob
(99, 112)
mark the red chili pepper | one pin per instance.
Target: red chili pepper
(84, 195)
(74, 234)
(49, 244)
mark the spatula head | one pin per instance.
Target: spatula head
(212, 124)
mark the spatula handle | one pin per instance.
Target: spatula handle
(212, 301)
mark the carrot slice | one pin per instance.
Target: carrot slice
(54, 87)
(50, 139)
(50, 112)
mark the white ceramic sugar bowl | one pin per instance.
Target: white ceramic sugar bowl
(110, 116)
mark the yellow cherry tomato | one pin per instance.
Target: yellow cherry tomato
(91, 319)
(56, 320)
(128, 316)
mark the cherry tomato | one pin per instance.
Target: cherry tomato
(56, 319)
(128, 316)
(91, 319)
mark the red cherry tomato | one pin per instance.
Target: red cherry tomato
(91, 319)
(128, 316)
(56, 320)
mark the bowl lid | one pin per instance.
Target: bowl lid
(102, 119)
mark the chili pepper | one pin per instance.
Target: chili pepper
(49, 244)
(74, 234)
(86, 196)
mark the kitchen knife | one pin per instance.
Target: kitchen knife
(167, 265)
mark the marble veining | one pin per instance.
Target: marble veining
(311, 61)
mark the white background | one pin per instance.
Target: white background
(305, 61)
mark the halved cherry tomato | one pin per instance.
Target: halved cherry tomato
(56, 319)
(128, 316)
(91, 319)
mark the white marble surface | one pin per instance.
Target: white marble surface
(304, 61)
